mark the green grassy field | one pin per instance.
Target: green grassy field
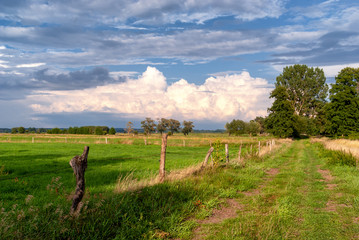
(29, 163)
(35, 169)
(31, 167)
(298, 191)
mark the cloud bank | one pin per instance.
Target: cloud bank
(220, 98)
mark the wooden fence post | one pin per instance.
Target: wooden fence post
(33, 140)
(79, 165)
(227, 153)
(163, 157)
(240, 152)
(184, 143)
(259, 147)
(211, 149)
(241, 161)
(145, 141)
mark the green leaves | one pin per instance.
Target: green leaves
(343, 111)
(300, 95)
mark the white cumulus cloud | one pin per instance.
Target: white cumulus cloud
(30, 65)
(220, 98)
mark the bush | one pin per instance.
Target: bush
(218, 153)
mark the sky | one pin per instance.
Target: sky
(106, 62)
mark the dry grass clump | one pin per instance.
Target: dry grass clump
(272, 145)
(349, 146)
(130, 183)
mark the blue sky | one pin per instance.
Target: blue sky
(106, 62)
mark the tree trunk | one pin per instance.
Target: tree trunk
(227, 153)
(207, 156)
(79, 165)
(163, 157)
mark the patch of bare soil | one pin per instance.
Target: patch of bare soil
(218, 216)
(331, 206)
(325, 174)
(327, 178)
(271, 173)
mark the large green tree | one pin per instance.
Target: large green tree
(301, 91)
(174, 125)
(148, 126)
(187, 127)
(235, 127)
(162, 125)
(306, 88)
(343, 110)
(281, 121)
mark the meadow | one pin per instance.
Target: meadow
(295, 191)
(35, 168)
(30, 162)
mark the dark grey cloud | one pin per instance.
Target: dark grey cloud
(327, 50)
(12, 88)
(75, 80)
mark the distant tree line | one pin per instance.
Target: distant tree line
(91, 130)
(28, 130)
(148, 126)
(239, 127)
(162, 125)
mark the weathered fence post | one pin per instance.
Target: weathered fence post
(145, 141)
(211, 149)
(227, 153)
(240, 152)
(106, 140)
(33, 140)
(241, 161)
(259, 147)
(184, 143)
(79, 165)
(163, 157)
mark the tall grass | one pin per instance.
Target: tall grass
(344, 145)
(341, 151)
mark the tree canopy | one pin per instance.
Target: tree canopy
(343, 110)
(300, 96)
(281, 120)
(148, 126)
(306, 88)
(187, 127)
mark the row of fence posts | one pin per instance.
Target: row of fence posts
(79, 165)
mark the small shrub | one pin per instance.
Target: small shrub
(218, 153)
(2, 171)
